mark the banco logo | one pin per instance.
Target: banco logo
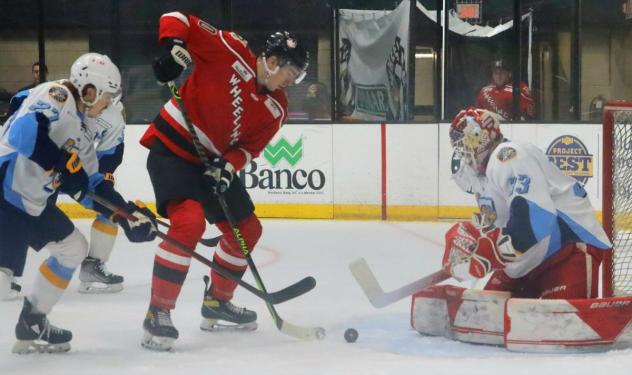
(284, 150)
(571, 156)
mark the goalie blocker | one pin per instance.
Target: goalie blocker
(521, 324)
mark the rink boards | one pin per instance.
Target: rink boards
(370, 171)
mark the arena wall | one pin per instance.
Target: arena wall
(369, 171)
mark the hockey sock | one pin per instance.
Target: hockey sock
(230, 255)
(102, 237)
(50, 283)
(170, 264)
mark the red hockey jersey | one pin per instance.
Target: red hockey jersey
(499, 100)
(230, 116)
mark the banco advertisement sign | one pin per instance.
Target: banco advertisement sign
(295, 167)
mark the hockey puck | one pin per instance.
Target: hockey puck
(351, 335)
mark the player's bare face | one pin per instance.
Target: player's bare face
(284, 77)
(501, 77)
(99, 106)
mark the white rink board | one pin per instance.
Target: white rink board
(357, 163)
(349, 157)
(412, 162)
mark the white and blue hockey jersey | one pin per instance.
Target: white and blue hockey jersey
(540, 207)
(107, 132)
(26, 156)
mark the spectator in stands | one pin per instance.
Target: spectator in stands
(498, 95)
(35, 72)
(316, 103)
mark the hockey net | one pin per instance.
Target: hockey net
(617, 197)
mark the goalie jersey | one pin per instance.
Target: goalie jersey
(26, 168)
(535, 203)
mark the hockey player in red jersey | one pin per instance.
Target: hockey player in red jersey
(498, 95)
(235, 101)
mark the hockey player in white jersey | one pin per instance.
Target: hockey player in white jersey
(107, 132)
(44, 148)
(536, 230)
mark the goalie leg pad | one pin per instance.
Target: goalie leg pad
(568, 326)
(467, 315)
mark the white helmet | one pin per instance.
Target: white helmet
(98, 70)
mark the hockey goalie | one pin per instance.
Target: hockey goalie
(537, 242)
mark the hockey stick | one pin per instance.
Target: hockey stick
(299, 332)
(377, 296)
(299, 288)
(209, 242)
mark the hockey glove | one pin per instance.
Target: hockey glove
(219, 176)
(142, 227)
(493, 251)
(460, 243)
(73, 179)
(173, 61)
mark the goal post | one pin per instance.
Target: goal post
(617, 198)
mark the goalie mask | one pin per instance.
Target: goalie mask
(474, 133)
(287, 49)
(97, 70)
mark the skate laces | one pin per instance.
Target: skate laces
(163, 317)
(235, 309)
(48, 329)
(102, 268)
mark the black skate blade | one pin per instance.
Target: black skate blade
(32, 346)
(292, 291)
(214, 325)
(157, 343)
(99, 288)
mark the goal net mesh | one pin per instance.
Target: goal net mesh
(622, 202)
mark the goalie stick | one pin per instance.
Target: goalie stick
(297, 289)
(299, 332)
(377, 296)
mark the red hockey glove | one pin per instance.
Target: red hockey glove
(460, 242)
(493, 251)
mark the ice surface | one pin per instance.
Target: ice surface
(107, 328)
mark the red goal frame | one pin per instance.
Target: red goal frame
(606, 197)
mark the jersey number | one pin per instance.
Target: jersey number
(521, 183)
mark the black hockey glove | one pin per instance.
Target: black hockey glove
(73, 179)
(219, 176)
(173, 61)
(140, 229)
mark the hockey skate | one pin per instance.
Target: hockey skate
(96, 279)
(223, 315)
(160, 333)
(35, 334)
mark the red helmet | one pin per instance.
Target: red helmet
(473, 134)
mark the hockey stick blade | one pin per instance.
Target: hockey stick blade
(301, 332)
(297, 289)
(376, 295)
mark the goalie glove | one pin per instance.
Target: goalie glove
(173, 61)
(472, 252)
(219, 176)
(142, 227)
